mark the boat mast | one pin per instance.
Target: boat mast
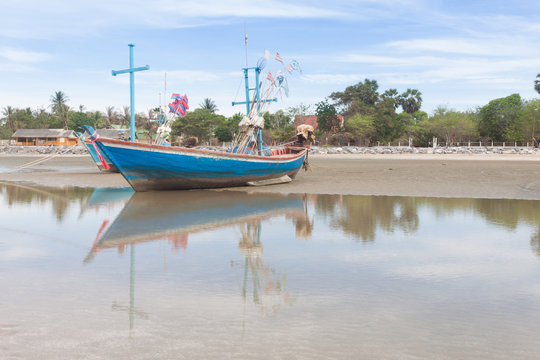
(131, 70)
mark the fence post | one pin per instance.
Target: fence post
(492, 143)
(469, 144)
(480, 144)
(399, 144)
(434, 142)
(504, 144)
(515, 144)
(410, 141)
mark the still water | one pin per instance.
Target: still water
(107, 273)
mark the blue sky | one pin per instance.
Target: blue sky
(460, 54)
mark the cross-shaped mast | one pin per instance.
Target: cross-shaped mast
(257, 89)
(131, 72)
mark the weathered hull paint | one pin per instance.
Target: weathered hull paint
(112, 168)
(153, 167)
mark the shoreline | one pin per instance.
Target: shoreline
(492, 176)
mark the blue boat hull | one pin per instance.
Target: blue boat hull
(153, 167)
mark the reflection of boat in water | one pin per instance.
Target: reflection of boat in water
(155, 216)
(101, 196)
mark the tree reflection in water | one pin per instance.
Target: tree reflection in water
(361, 216)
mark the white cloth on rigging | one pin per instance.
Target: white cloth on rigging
(254, 121)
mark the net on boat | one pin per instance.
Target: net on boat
(249, 138)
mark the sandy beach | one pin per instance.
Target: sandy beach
(431, 175)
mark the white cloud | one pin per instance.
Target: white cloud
(332, 78)
(61, 17)
(23, 56)
(481, 46)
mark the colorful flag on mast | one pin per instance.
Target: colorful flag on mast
(271, 78)
(289, 68)
(278, 58)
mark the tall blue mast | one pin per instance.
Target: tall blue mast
(257, 88)
(131, 72)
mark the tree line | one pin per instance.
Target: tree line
(370, 116)
(360, 114)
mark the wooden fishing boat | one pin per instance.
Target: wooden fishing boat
(155, 167)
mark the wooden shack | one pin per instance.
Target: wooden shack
(45, 137)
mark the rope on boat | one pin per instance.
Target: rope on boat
(35, 162)
(305, 165)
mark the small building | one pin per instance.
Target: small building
(45, 137)
(311, 120)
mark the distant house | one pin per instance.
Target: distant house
(45, 137)
(311, 120)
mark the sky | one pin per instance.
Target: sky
(458, 54)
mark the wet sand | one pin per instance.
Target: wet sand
(460, 176)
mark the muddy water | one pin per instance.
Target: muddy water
(106, 273)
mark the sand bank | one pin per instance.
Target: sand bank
(431, 175)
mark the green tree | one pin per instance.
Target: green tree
(110, 115)
(299, 110)
(200, 123)
(98, 120)
(125, 118)
(223, 133)
(361, 127)
(388, 125)
(500, 118)
(393, 97)
(78, 119)
(411, 101)
(25, 119)
(209, 104)
(59, 106)
(327, 117)
(8, 112)
(537, 84)
(357, 98)
(531, 115)
(452, 126)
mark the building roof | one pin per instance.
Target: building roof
(311, 120)
(111, 133)
(44, 133)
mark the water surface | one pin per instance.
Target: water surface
(109, 273)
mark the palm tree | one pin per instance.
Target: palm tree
(96, 117)
(209, 104)
(110, 115)
(411, 101)
(126, 117)
(8, 112)
(537, 84)
(392, 96)
(59, 107)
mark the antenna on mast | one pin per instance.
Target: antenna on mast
(246, 39)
